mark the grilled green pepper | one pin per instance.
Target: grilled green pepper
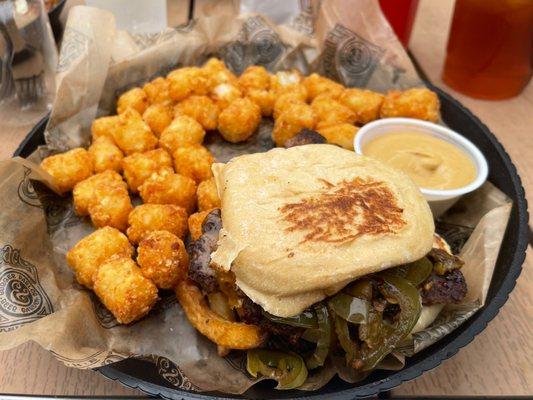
(306, 319)
(379, 336)
(362, 289)
(324, 334)
(343, 334)
(352, 309)
(287, 368)
(415, 272)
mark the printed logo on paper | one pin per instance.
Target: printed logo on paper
(22, 299)
(58, 210)
(97, 359)
(73, 46)
(256, 43)
(349, 58)
(171, 373)
(103, 315)
(304, 22)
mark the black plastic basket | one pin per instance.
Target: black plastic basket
(144, 375)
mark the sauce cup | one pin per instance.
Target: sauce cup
(439, 200)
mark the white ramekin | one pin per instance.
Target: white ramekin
(439, 200)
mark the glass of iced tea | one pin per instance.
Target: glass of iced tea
(490, 48)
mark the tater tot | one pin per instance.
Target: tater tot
(287, 81)
(182, 131)
(201, 108)
(330, 112)
(317, 85)
(91, 251)
(124, 290)
(290, 122)
(157, 91)
(69, 168)
(341, 134)
(140, 166)
(207, 195)
(163, 259)
(239, 120)
(187, 81)
(134, 98)
(132, 134)
(224, 93)
(105, 126)
(156, 217)
(282, 102)
(195, 222)
(420, 103)
(255, 77)
(84, 193)
(194, 161)
(169, 188)
(158, 117)
(364, 103)
(105, 154)
(265, 99)
(111, 208)
(217, 73)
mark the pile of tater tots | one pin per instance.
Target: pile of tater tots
(153, 149)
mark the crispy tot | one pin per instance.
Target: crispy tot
(287, 81)
(254, 77)
(140, 166)
(195, 223)
(285, 100)
(290, 122)
(317, 85)
(207, 195)
(124, 290)
(105, 154)
(265, 99)
(239, 120)
(329, 111)
(90, 252)
(224, 93)
(134, 98)
(366, 104)
(158, 117)
(104, 126)
(158, 90)
(187, 81)
(163, 259)
(132, 134)
(217, 73)
(182, 131)
(169, 188)
(201, 108)
(69, 168)
(340, 134)
(111, 208)
(84, 193)
(233, 335)
(419, 103)
(194, 161)
(156, 217)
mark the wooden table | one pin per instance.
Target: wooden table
(498, 362)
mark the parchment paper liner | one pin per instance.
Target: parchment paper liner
(39, 299)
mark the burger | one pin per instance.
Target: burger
(316, 256)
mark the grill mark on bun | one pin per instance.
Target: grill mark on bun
(344, 212)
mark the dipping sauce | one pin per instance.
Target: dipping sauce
(431, 162)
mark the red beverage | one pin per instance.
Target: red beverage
(401, 15)
(490, 48)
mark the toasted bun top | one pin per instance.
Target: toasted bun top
(298, 224)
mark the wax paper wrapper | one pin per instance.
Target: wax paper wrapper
(40, 300)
